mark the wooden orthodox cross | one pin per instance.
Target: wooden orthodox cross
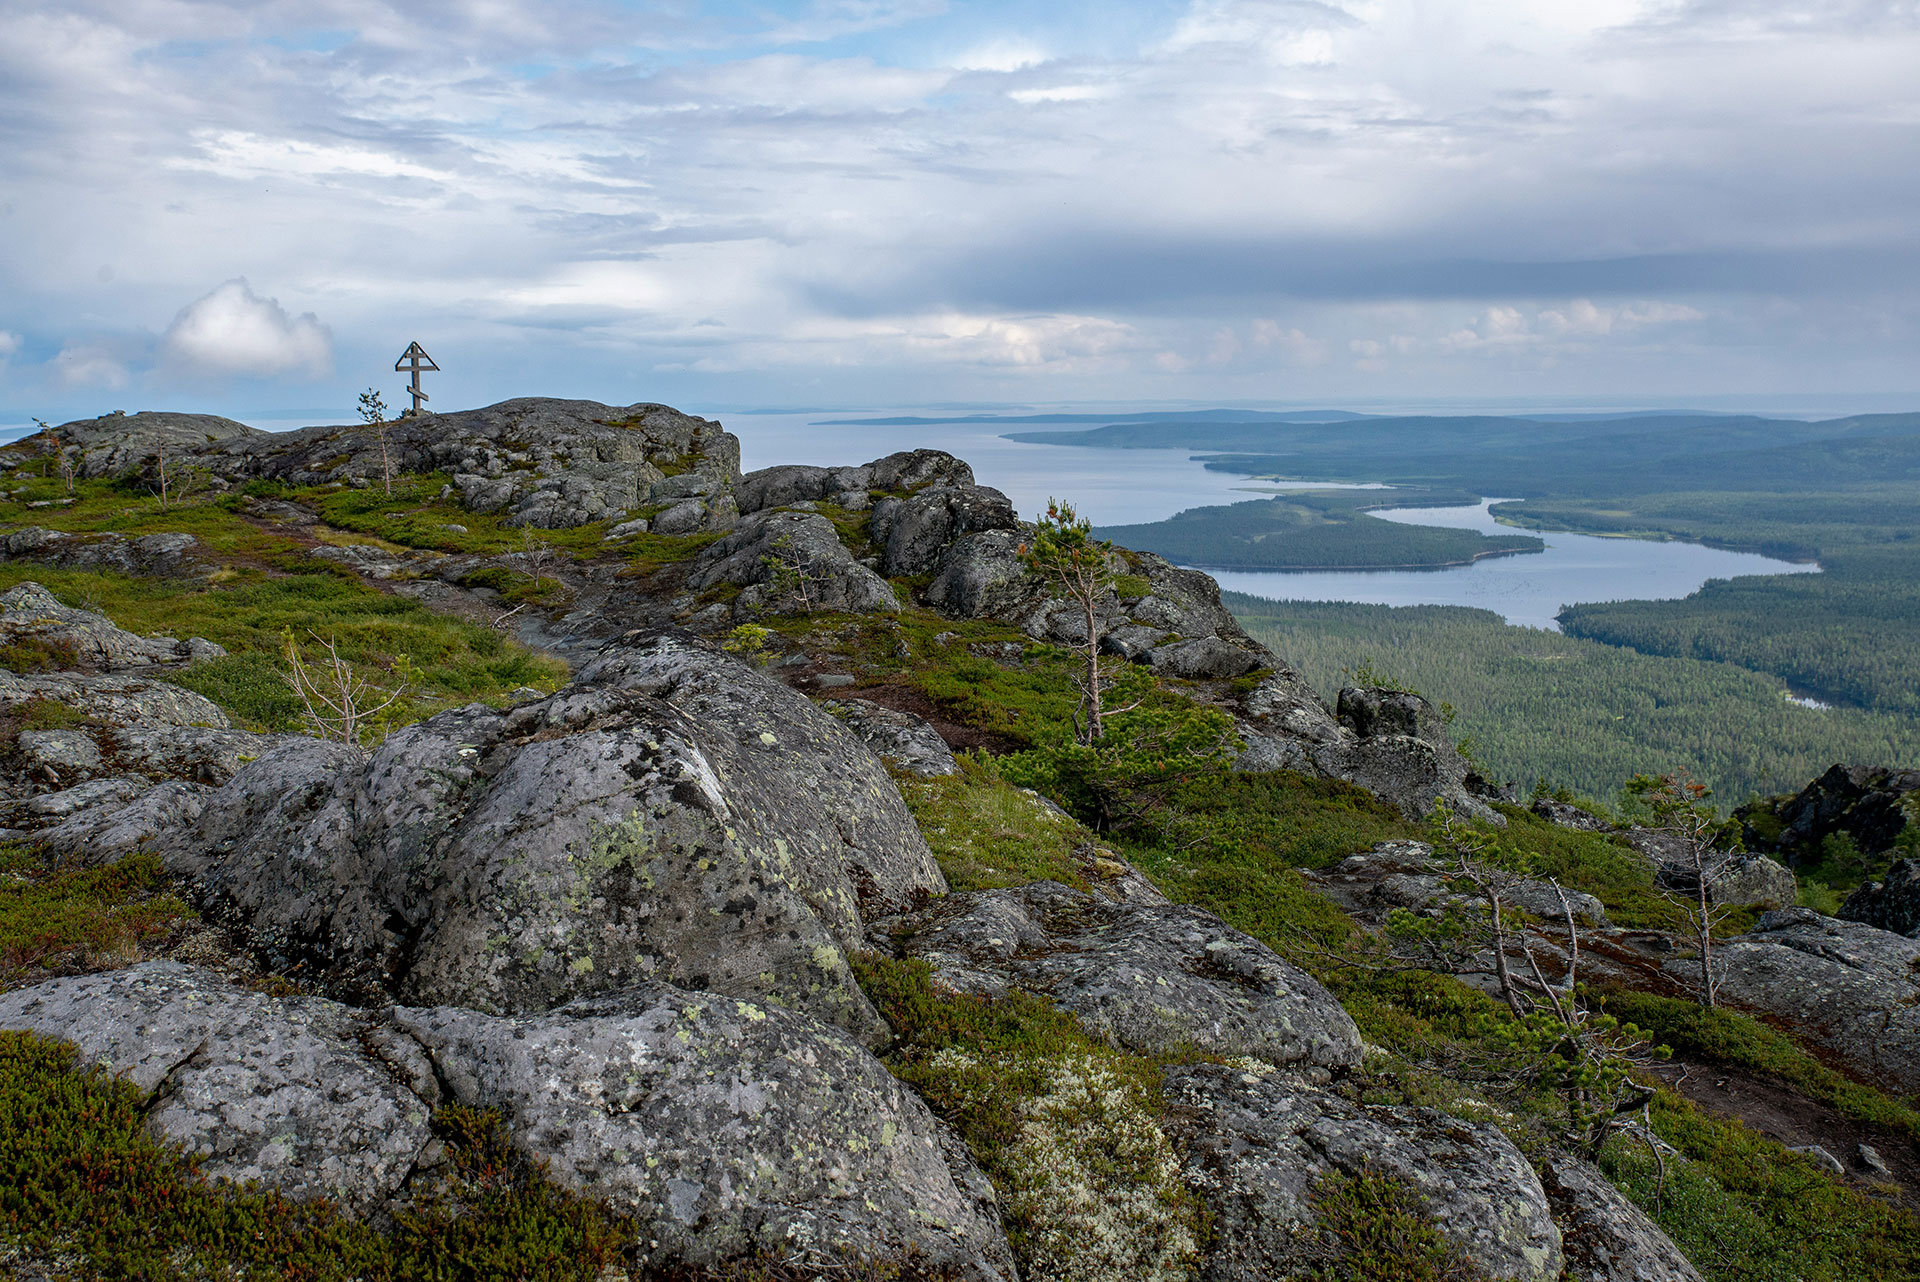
(413, 360)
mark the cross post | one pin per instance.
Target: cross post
(413, 360)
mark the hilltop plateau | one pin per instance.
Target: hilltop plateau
(517, 843)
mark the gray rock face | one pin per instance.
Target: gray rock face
(920, 528)
(1390, 742)
(981, 576)
(101, 834)
(116, 443)
(1892, 903)
(1404, 874)
(30, 615)
(1606, 1237)
(1569, 816)
(154, 554)
(722, 1126)
(900, 739)
(1258, 1145)
(542, 462)
(114, 699)
(791, 562)
(1850, 988)
(1867, 803)
(1203, 659)
(263, 1088)
(1149, 977)
(1742, 880)
(672, 814)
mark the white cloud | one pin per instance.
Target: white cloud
(89, 365)
(235, 331)
(9, 344)
(1001, 55)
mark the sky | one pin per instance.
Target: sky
(252, 208)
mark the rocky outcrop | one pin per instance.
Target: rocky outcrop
(167, 554)
(1567, 815)
(259, 1087)
(722, 1127)
(900, 739)
(32, 619)
(1260, 1146)
(117, 443)
(1892, 903)
(1390, 742)
(1849, 988)
(541, 462)
(850, 487)
(1148, 977)
(790, 563)
(1405, 874)
(1735, 879)
(916, 531)
(670, 815)
(1606, 1237)
(1869, 804)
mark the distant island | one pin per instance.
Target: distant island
(1317, 531)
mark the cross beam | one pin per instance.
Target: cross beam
(414, 360)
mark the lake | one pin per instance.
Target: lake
(1119, 487)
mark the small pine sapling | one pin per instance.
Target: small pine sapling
(374, 411)
(1682, 810)
(1064, 553)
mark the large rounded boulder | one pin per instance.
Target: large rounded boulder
(671, 815)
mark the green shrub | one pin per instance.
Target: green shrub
(55, 921)
(1378, 1228)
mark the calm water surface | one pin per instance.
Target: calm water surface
(1117, 487)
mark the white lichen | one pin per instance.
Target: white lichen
(1092, 1183)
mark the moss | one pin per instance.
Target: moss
(57, 921)
(40, 654)
(1065, 1126)
(1375, 1227)
(1742, 1207)
(986, 833)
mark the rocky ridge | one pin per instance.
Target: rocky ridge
(623, 914)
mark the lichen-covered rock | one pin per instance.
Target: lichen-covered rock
(920, 528)
(101, 834)
(791, 562)
(1606, 1237)
(1849, 988)
(114, 698)
(117, 443)
(671, 814)
(1738, 879)
(540, 461)
(1258, 1144)
(900, 739)
(723, 1127)
(1149, 977)
(1203, 659)
(81, 639)
(1892, 903)
(261, 1088)
(1405, 874)
(1567, 815)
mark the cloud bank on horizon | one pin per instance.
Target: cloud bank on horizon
(258, 204)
